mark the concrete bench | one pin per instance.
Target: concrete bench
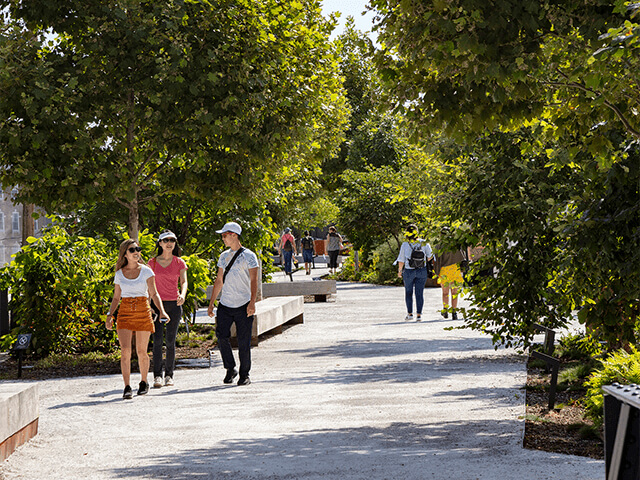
(18, 416)
(318, 259)
(271, 314)
(319, 289)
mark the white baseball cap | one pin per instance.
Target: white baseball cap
(167, 234)
(231, 227)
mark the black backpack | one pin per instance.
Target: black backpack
(418, 258)
(287, 245)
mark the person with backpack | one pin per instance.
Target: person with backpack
(237, 285)
(308, 250)
(288, 250)
(414, 267)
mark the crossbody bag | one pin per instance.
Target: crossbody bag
(228, 267)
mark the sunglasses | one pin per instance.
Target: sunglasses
(168, 240)
(134, 249)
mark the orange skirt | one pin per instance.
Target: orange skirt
(135, 315)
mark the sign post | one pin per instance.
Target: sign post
(21, 345)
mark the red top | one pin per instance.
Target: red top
(285, 237)
(167, 278)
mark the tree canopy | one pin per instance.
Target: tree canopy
(466, 65)
(127, 100)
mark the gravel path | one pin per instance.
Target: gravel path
(353, 393)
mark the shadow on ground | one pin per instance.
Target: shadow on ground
(339, 453)
(393, 347)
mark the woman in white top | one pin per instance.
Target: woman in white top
(134, 284)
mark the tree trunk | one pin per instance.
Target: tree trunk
(133, 220)
(27, 222)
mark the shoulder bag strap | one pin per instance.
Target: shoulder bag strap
(228, 267)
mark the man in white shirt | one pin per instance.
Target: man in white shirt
(237, 281)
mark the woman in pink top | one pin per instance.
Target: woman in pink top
(288, 250)
(170, 271)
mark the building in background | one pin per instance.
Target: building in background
(12, 225)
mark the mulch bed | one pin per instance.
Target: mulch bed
(9, 367)
(561, 430)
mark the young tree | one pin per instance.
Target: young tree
(368, 216)
(130, 100)
(361, 89)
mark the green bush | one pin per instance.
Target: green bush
(578, 346)
(621, 367)
(574, 374)
(377, 267)
(386, 273)
(60, 287)
(199, 277)
(348, 271)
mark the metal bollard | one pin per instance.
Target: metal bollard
(622, 431)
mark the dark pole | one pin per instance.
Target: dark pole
(5, 328)
(20, 353)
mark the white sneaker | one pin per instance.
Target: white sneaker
(418, 318)
(157, 382)
(409, 317)
(168, 381)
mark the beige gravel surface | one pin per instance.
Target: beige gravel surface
(353, 393)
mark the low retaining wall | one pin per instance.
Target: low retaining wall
(320, 289)
(272, 313)
(18, 416)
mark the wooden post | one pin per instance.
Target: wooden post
(27, 222)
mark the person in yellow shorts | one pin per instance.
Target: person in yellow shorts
(450, 278)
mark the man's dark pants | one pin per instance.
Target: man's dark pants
(225, 317)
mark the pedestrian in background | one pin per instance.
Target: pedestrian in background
(237, 285)
(449, 276)
(171, 272)
(414, 261)
(134, 285)
(288, 250)
(333, 245)
(308, 251)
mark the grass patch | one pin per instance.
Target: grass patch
(75, 361)
(536, 363)
(576, 373)
(533, 418)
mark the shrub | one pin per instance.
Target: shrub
(348, 271)
(575, 373)
(384, 272)
(377, 267)
(578, 346)
(60, 288)
(199, 278)
(621, 367)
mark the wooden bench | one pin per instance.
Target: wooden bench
(271, 315)
(18, 416)
(319, 289)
